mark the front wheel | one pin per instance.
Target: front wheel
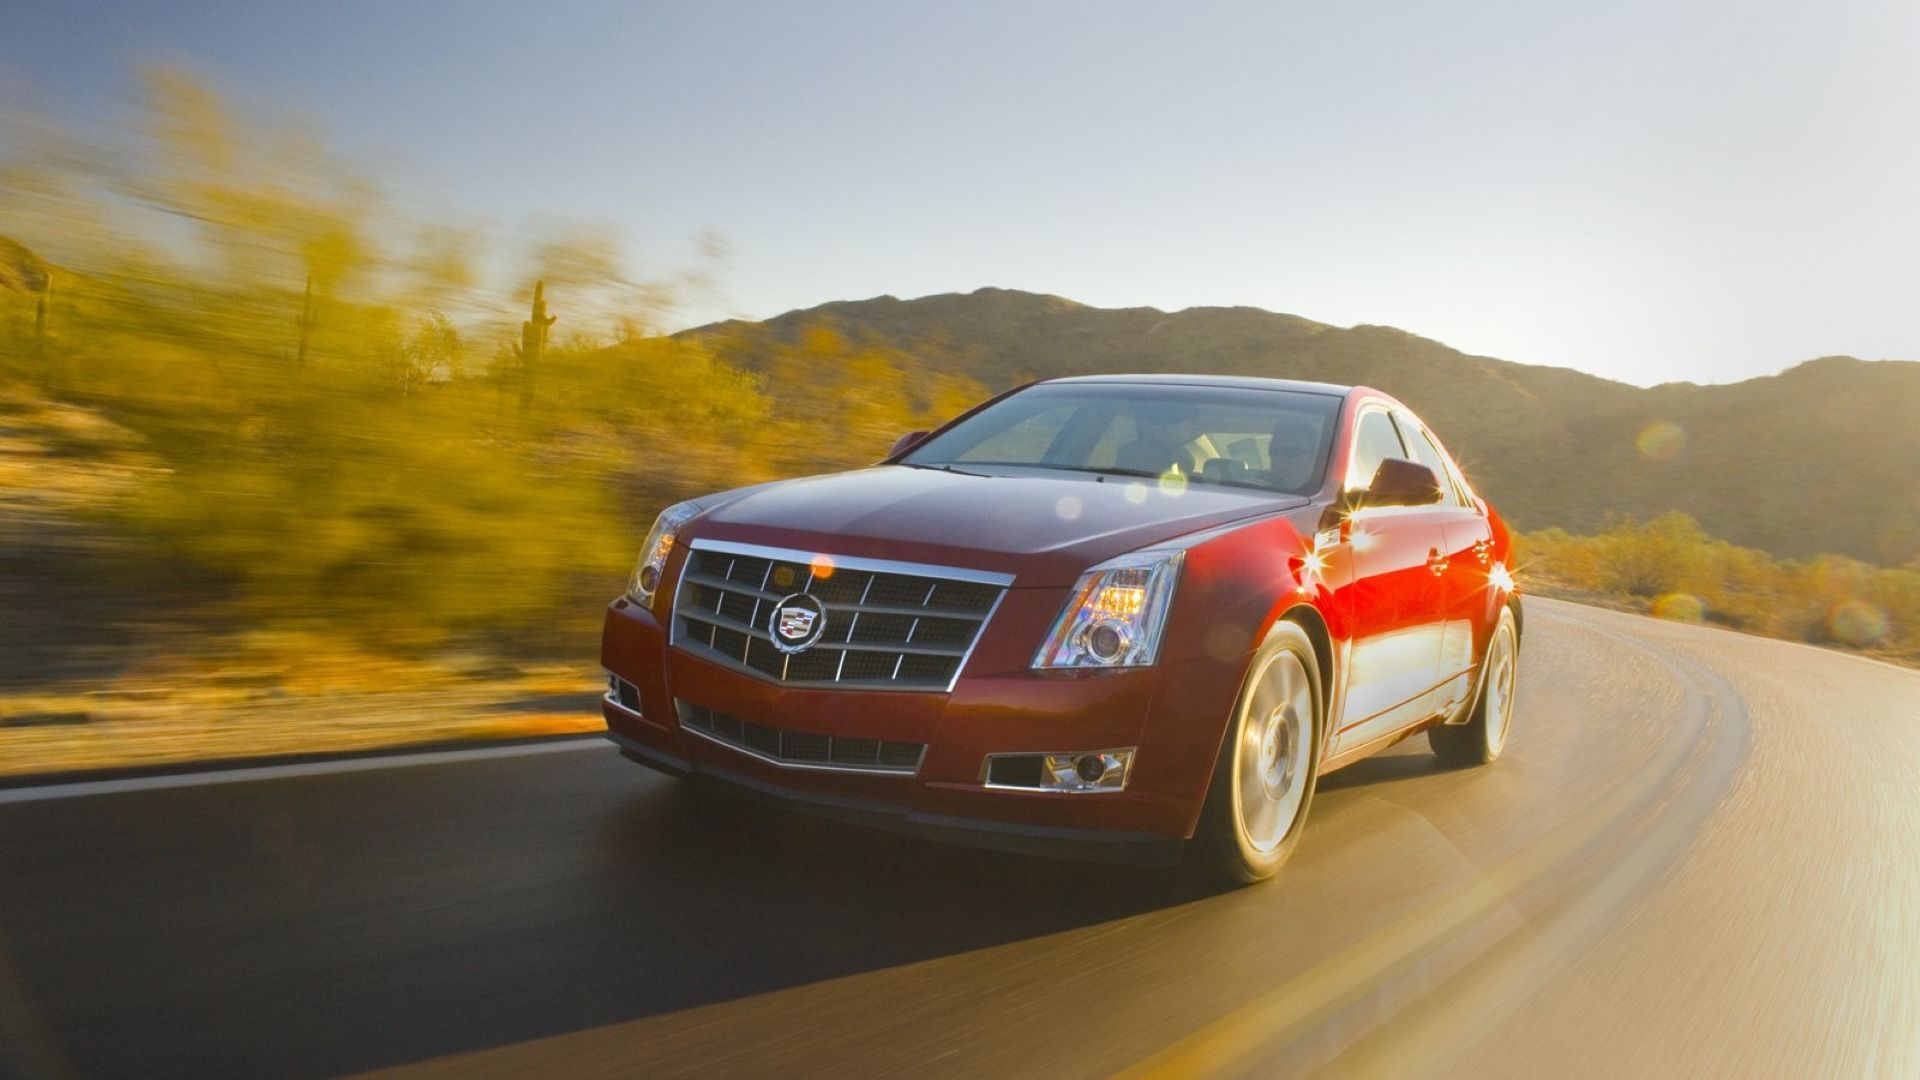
(1484, 735)
(1264, 779)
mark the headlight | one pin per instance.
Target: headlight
(653, 553)
(1116, 614)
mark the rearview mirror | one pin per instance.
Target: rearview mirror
(905, 443)
(1400, 482)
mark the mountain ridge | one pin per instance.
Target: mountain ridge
(1825, 441)
(831, 306)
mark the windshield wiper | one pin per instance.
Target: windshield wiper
(938, 467)
(1115, 470)
(1110, 470)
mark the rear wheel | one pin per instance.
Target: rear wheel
(1484, 735)
(1264, 779)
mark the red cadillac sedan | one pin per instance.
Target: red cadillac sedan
(1132, 616)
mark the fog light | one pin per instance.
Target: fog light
(1104, 770)
(623, 693)
(1086, 771)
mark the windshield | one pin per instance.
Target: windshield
(1277, 440)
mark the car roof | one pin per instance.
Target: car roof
(1244, 382)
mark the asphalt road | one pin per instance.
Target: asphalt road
(1700, 856)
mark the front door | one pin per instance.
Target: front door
(1393, 603)
(1469, 556)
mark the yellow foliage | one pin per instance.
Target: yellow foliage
(1671, 567)
(397, 485)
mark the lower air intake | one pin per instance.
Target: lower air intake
(802, 750)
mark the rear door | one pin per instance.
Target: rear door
(1393, 602)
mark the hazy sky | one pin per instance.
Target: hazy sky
(1645, 191)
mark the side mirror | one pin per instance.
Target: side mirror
(1400, 482)
(905, 443)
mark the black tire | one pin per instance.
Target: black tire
(1222, 839)
(1480, 740)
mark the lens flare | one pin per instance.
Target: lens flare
(1067, 508)
(1172, 483)
(1857, 623)
(822, 567)
(1500, 578)
(1661, 440)
(1136, 492)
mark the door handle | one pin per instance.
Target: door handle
(1437, 562)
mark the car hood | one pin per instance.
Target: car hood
(1043, 527)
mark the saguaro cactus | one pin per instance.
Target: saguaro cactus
(306, 323)
(57, 365)
(40, 311)
(533, 343)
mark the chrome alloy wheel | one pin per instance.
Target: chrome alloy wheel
(1498, 703)
(1274, 756)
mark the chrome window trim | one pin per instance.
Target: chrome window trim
(1003, 582)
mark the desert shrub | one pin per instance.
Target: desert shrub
(1654, 559)
(1672, 568)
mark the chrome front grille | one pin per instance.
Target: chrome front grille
(888, 625)
(802, 750)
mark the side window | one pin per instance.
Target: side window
(1426, 453)
(1460, 483)
(1373, 442)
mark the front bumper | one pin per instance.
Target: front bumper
(1099, 845)
(1173, 713)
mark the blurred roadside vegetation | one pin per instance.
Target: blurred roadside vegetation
(338, 426)
(280, 469)
(247, 414)
(1670, 567)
